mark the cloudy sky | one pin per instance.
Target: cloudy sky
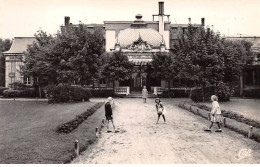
(25, 17)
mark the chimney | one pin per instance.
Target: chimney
(67, 20)
(202, 21)
(160, 17)
(189, 20)
(161, 8)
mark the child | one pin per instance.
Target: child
(160, 109)
(215, 114)
(144, 94)
(109, 113)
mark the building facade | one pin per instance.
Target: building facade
(250, 79)
(14, 60)
(139, 40)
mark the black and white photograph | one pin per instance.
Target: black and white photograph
(129, 82)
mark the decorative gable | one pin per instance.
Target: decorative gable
(140, 45)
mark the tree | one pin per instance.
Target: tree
(4, 46)
(117, 67)
(165, 66)
(68, 57)
(207, 59)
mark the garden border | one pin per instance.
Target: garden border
(74, 123)
(232, 124)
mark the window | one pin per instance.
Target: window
(13, 67)
(102, 83)
(27, 80)
(12, 80)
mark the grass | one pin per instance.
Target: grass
(231, 115)
(232, 122)
(249, 108)
(28, 131)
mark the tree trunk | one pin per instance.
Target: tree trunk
(202, 92)
(113, 85)
(169, 85)
(40, 92)
(241, 85)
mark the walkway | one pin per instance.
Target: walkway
(181, 140)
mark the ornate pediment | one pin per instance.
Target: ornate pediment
(140, 45)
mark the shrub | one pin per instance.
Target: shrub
(2, 90)
(79, 94)
(196, 94)
(223, 92)
(252, 93)
(181, 93)
(66, 93)
(19, 86)
(175, 93)
(102, 93)
(28, 92)
(11, 93)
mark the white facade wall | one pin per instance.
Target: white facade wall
(12, 75)
(166, 37)
(110, 39)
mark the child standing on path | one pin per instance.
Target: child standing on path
(160, 109)
(144, 94)
(109, 113)
(215, 114)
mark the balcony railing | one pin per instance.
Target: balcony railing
(160, 90)
(122, 90)
(118, 90)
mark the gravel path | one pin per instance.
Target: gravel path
(180, 140)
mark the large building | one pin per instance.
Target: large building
(250, 80)
(139, 40)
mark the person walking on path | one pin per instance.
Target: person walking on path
(144, 94)
(160, 110)
(109, 113)
(215, 114)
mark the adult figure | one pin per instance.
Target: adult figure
(160, 110)
(144, 94)
(109, 113)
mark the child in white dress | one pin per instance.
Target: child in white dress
(215, 114)
(160, 110)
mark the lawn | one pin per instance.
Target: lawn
(28, 131)
(249, 108)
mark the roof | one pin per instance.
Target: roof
(128, 36)
(20, 44)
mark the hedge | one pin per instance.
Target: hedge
(175, 93)
(28, 92)
(11, 93)
(252, 93)
(2, 90)
(102, 93)
(196, 94)
(73, 124)
(222, 91)
(232, 122)
(232, 115)
(66, 93)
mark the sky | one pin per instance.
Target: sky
(21, 18)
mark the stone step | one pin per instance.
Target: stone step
(140, 96)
